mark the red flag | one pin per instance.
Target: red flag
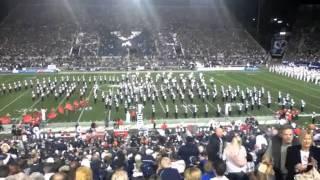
(27, 119)
(5, 120)
(69, 107)
(52, 114)
(76, 104)
(60, 109)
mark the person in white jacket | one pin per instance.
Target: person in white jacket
(235, 156)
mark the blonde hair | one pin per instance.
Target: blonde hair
(208, 166)
(305, 133)
(120, 175)
(83, 173)
(192, 173)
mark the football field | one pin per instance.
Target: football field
(20, 102)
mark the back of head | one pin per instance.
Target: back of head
(120, 175)
(59, 176)
(36, 176)
(192, 173)
(208, 166)
(4, 171)
(220, 167)
(84, 173)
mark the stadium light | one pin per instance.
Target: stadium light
(275, 19)
(279, 21)
(283, 33)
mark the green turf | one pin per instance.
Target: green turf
(17, 102)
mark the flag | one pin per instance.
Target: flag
(69, 107)
(60, 109)
(76, 104)
(5, 120)
(52, 114)
(27, 118)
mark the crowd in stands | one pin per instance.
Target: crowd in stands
(304, 41)
(235, 152)
(82, 35)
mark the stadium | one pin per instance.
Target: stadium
(125, 87)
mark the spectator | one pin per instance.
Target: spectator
(215, 146)
(188, 151)
(120, 175)
(59, 176)
(192, 173)
(166, 172)
(208, 171)
(84, 173)
(277, 149)
(236, 159)
(220, 169)
(302, 158)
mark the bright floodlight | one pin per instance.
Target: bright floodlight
(283, 33)
(275, 19)
(280, 21)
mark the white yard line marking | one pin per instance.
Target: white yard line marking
(161, 105)
(16, 99)
(88, 98)
(62, 101)
(35, 103)
(211, 104)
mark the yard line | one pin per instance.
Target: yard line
(62, 100)
(35, 103)
(211, 104)
(161, 105)
(16, 99)
(88, 98)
